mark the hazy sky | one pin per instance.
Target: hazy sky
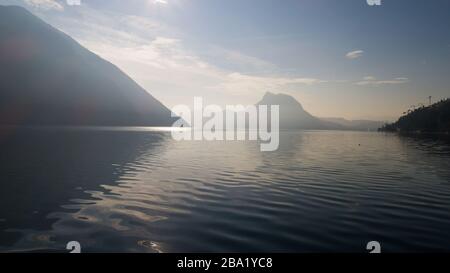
(338, 58)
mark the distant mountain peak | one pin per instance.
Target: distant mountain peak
(268, 95)
(286, 100)
(293, 115)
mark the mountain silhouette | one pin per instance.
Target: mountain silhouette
(293, 116)
(426, 119)
(47, 78)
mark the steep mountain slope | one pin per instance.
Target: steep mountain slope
(47, 78)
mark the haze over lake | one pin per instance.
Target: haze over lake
(138, 190)
(341, 108)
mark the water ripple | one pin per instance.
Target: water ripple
(320, 192)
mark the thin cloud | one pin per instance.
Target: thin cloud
(370, 80)
(45, 4)
(158, 58)
(354, 54)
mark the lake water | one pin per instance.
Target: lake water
(137, 190)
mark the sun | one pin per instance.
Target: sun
(160, 2)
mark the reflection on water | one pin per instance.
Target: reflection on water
(140, 191)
